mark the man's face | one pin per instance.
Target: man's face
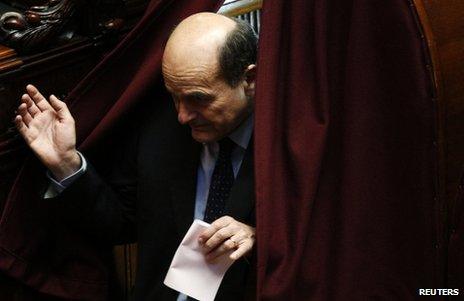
(211, 107)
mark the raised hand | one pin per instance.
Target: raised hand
(48, 128)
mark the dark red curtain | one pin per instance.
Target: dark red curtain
(33, 249)
(346, 162)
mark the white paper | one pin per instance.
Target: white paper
(189, 272)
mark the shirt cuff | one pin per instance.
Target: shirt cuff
(55, 187)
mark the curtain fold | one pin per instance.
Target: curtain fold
(345, 153)
(35, 250)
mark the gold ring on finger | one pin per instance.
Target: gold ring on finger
(234, 242)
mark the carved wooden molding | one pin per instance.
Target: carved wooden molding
(37, 25)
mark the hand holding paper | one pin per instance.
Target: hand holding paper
(226, 234)
(190, 273)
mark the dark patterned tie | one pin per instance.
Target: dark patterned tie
(221, 182)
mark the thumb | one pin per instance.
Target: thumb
(60, 107)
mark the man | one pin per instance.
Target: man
(165, 179)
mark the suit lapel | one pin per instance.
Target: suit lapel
(183, 187)
(240, 204)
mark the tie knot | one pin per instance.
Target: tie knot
(226, 145)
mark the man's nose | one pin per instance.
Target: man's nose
(184, 113)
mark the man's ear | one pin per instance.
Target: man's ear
(250, 78)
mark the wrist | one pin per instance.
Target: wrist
(67, 166)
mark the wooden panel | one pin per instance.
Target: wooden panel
(8, 59)
(6, 52)
(126, 261)
(443, 21)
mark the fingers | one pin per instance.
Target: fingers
(38, 98)
(220, 230)
(31, 106)
(24, 114)
(225, 247)
(215, 226)
(20, 125)
(60, 107)
(232, 243)
(244, 248)
(37, 103)
(226, 235)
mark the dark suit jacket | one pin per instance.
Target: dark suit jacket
(150, 199)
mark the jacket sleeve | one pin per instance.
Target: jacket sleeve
(104, 205)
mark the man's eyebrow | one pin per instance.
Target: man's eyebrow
(198, 95)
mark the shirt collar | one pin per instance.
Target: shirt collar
(242, 134)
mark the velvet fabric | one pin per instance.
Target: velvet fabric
(34, 249)
(345, 156)
(345, 153)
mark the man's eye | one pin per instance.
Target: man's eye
(200, 98)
